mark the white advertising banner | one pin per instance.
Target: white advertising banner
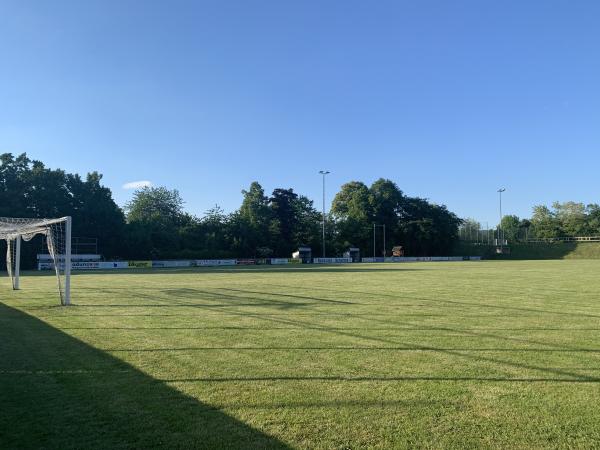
(163, 264)
(113, 265)
(87, 265)
(279, 261)
(44, 257)
(215, 262)
(332, 260)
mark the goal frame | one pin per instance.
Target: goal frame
(68, 221)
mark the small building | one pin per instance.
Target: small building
(304, 254)
(353, 253)
(397, 251)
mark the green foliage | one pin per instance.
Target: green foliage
(565, 219)
(468, 229)
(29, 189)
(157, 226)
(421, 227)
(155, 204)
(511, 227)
(544, 223)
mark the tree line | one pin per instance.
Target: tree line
(561, 219)
(155, 225)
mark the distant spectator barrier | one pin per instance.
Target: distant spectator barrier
(77, 264)
(214, 262)
(246, 262)
(332, 260)
(406, 259)
(278, 261)
(140, 264)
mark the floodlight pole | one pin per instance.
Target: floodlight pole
(17, 283)
(374, 255)
(500, 191)
(324, 172)
(374, 240)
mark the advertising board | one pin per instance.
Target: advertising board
(139, 264)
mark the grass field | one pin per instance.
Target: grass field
(430, 355)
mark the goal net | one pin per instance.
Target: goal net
(57, 234)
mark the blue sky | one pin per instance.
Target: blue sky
(449, 99)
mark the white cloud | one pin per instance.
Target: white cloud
(137, 184)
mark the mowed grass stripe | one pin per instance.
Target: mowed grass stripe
(435, 355)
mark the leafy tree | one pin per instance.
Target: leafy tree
(593, 218)
(253, 220)
(525, 227)
(307, 229)
(151, 204)
(283, 225)
(154, 215)
(29, 189)
(544, 223)
(353, 215)
(572, 218)
(511, 226)
(426, 228)
(155, 224)
(469, 229)
(421, 227)
(386, 201)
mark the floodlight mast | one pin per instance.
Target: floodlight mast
(324, 172)
(375, 241)
(500, 231)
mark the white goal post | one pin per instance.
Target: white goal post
(58, 240)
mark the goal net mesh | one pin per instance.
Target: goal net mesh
(53, 232)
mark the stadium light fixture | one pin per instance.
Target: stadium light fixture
(500, 233)
(324, 173)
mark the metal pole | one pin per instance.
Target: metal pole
(324, 172)
(374, 254)
(500, 234)
(323, 215)
(17, 263)
(384, 249)
(68, 261)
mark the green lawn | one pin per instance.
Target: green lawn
(430, 355)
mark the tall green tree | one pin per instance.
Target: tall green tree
(252, 221)
(572, 217)
(593, 214)
(544, 223)
(283, 224)
(154, 215)
(29, 189)
(511, 227)
(155, 204)
(352, 212)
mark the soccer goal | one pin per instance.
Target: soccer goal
(57, 233)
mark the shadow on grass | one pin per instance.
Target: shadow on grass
(57, 392)
(437, 301)
(466, 355)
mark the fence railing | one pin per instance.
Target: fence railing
(565, 239)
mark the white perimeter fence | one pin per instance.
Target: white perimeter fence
(77, 264)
